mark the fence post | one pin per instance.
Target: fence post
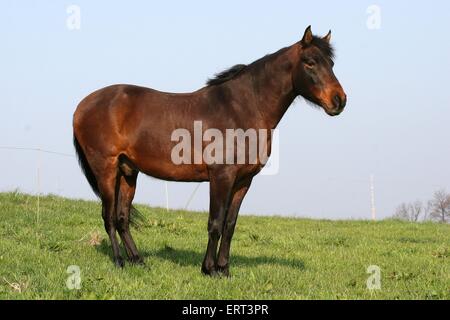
(167, 195)
(38, 185)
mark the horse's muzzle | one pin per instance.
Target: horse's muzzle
(339, 102)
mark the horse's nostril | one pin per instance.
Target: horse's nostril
(337, 101)
(340, 101)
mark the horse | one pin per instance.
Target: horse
(123, 130)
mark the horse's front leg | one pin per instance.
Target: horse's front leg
(239, 192)
(221, 185)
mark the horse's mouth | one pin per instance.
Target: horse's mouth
(336, 106)
(334, 112)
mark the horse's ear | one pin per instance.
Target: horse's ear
(308, 36)
(327, 38)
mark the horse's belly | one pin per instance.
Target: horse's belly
(167, 170)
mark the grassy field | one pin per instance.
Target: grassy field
(272, 258)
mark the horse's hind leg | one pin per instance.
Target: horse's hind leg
(107, 183)
(127, 188)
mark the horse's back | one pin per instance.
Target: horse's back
(138, 123)
(100, 117)
(107, 97)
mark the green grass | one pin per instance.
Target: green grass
(272, 258)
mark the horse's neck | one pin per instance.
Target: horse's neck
(273, 88)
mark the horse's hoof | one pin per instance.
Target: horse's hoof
(119, 263)
(223, 272)
(211, 272)
(137, 261)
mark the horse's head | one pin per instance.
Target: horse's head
(314, 78)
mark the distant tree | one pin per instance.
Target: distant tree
(440, 206)
(409, 211)
(401, 212)
(426, 212)
(415, 210)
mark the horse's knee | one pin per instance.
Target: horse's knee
(215, 229)
(229, 227)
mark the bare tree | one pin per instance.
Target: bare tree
(427, 211)
(409, 211)
(415, 210)
(440, 206)
(401, 212)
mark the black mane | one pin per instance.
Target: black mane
(230, 73)
(226, 75)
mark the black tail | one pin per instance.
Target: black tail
(85, 167)
(137, 219)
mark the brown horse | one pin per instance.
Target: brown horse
(122, 130)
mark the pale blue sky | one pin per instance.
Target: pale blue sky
(396, 78)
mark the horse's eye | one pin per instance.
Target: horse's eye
(310, 64)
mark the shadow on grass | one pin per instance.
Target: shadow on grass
(192, 258)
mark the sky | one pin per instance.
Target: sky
(392, 60)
